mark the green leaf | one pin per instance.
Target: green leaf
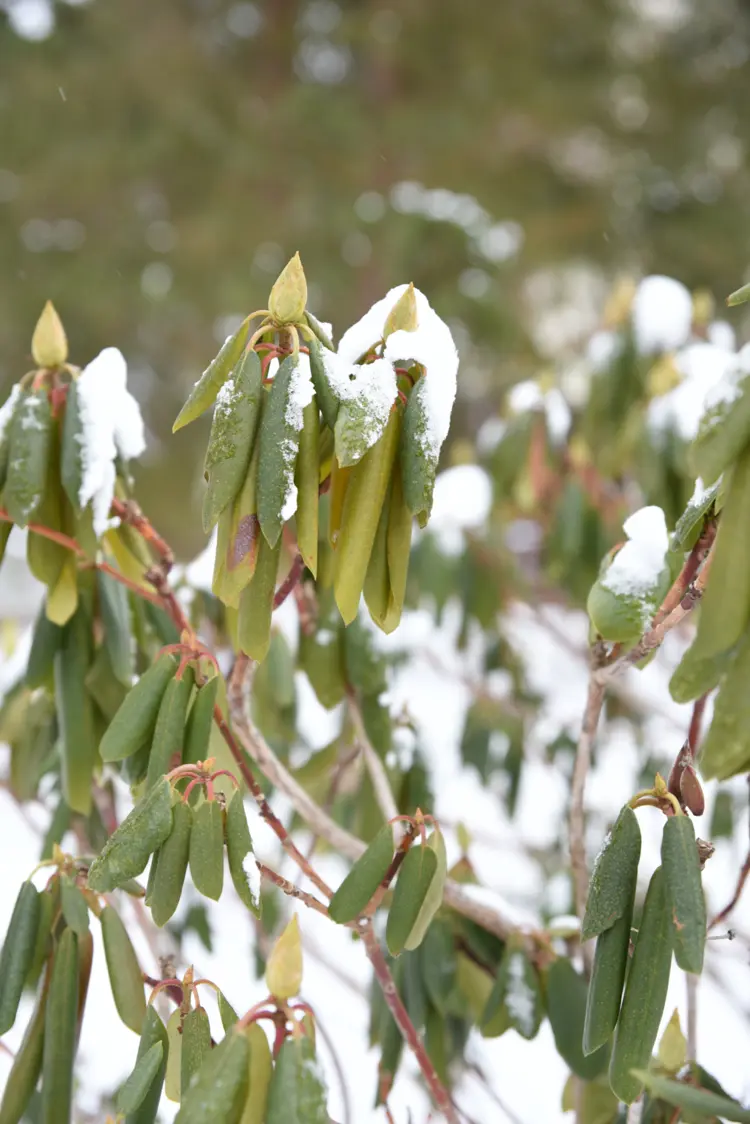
(242, 865)
(238, 538)
(325, 395)
(260, 1072)
(280, 429)
(133, 725)
(726, 747)
(196, 1045)
(725, 606)
(230, 445)
(213, 378)
(173, 1073)
(73, 904)
(171, 862)
(612, 879)
(566, 1007)
(739, 296)
(75, 712)
(153, 1034)
(306, 475)
(71, 461)
(365, 495)
(60, 1038)
(321, 657)
(30, 436)
(133, 1092)
(415, 878)
(125, 978)
(200, 723)
(688, 1097)
(695, 676)
(438, 963)
(27, 1064)
(691, 521)
(320, 333)
(256, 603)
(297, 1094)
(169, 730)
(219, 1089)
(207, 850)
(419, 456)
(607, 980)
(363, 879)
(645, 993)
(434, 897)
(118, 636)
(722, 434)
(227, 1013)
(127, 850)
(682, 878)
(18, 952)
(45, 642)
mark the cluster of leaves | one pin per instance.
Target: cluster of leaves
(278, 440)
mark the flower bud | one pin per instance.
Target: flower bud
(289, 293)
(49, 344)
(403, 315)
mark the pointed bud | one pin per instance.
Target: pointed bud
(403, 315)
(284, 965)
(49, 344)
(691, 793)
(289, 293)
(660, 785)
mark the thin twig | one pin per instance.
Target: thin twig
(373, 764)
(439, 1093)
(741, 880)
(293, 891)
(290, 581)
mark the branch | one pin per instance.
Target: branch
(373, 764)
(383, 975)
(291, 890)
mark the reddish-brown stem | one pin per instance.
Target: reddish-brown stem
(439, 1093)
(741, 880)
(290, 581)
(130, 513)
(694, 733)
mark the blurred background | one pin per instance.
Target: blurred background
(159, 162)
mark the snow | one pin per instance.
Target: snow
(703, 367)
(371, 387)
(462, 502)
(602, 348)
(301, 394)
(662, 315)
(637, 566)
(528, 395)
(430, 344)
(7, 408)
(111, 424)
(290, 503)
(721, 334)
(252, 875)
(519, 998)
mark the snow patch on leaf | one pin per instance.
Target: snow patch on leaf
(252, 876)
(301, 393)
(7, 408)
(519, 998)
(636, 568)
(111, 426)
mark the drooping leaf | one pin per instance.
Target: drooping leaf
(135, 1089)
(413, 884)
(60, 1038)
(207, 850)
(219, 1088)
(645, 993)
(127, 850)
(135, 720)
(612, 879)
(18, 952)
(233, 431)
(363, 879)
(125, 978)
(684, 891)
(691, 1099)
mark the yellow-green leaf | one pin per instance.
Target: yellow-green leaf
(284, 965)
